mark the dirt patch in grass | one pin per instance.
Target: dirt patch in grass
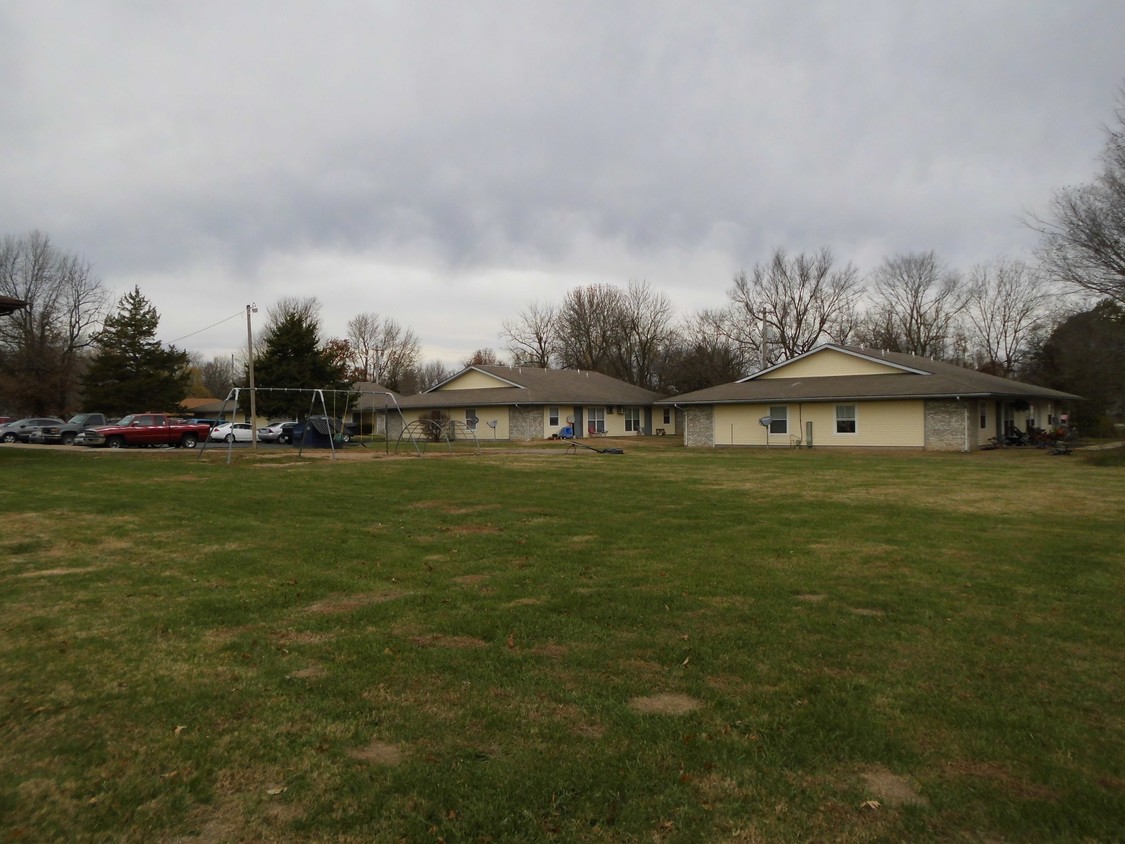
(350, 603)
(891, 789)
(666, 703)
(56, 572)
(465, 530)
(436, 640)
(524, 602)
(1003, 779)
(868, 611)
(588, 731)
(811, 597)
(378, 753)
(583, 538)
(311, 672)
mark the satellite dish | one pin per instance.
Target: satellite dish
(569, 420)
(765, 421)
(491, 423)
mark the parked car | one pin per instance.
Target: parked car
(286, 435)
(275, 432)
(150, 430)
(67, 432)
(21, 429)
(230, 432)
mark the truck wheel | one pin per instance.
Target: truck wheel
(115, 442)
(68, 439)
(189, 441)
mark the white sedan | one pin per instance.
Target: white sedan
(232, 432)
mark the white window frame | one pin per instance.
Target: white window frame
(854, 419)
(667, 416)
(632, 420)
(553, 417)
(779, 420)
(470, 415)
(595, 416)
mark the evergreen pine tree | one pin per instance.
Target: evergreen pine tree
(294, 359)
(131, 371)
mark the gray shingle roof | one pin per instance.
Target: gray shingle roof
(940, 380)
(373, 396)
(532, 386)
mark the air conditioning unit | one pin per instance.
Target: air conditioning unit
(609, 410)
(621, 410)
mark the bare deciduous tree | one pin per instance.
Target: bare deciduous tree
(1009, 304)
(382, 350)
(703, 355)
(1083, 241)
(917, 303)
(587, 328)
(43, 344)
(798, 300)
(482, 357)
(646, 334)
(531, 336)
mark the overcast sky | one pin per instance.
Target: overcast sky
(448, 162)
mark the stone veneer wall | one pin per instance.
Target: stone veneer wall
(524, 424)
(945, 425)
(394, 425)
(699, 426)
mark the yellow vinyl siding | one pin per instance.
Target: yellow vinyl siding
(737, 424)
(488, 414)
(828, 363)
(897, 424)
(457, 414)
(565, 412)
(473, 380)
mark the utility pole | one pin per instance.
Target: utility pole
(250, 351)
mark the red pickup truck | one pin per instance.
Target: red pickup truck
(151, 429)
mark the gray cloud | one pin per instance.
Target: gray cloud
(460, 142)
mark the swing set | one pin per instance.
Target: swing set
(332, 423)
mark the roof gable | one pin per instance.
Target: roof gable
(835, 361)
(474, 378)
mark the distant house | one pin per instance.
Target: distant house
(210, 408)
(370, 405)
(9, 305)
(525, 403)
(844, 396)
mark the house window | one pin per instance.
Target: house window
(845, 419)
(667, 416)
(983, 415)
(632, 419)
(553, 416)
(596, 420)
(471, 418)
(779, 420)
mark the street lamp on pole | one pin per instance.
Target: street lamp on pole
(250, 352)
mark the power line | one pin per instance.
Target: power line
(208, 328)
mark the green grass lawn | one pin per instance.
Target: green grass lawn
(525, 645)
